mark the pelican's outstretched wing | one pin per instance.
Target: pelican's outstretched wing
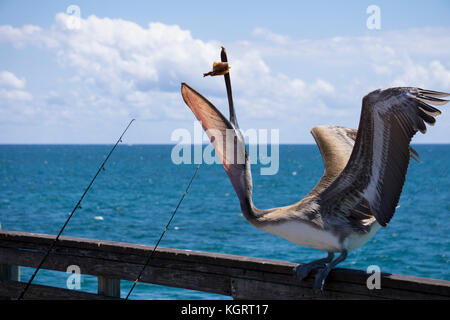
(375, 172)
(335, 144)
(226, 139)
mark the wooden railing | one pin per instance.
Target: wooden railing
(236, 276)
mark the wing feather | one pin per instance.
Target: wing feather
(335, 144)
(227, 141)
(376, 170)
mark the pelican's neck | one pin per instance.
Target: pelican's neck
(248, 209)
(250, 212)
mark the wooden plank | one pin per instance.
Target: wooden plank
(247, 271)
(122, 270)
(38, 240)
(206, 271)
(13, 289)
(246, 289)
(202, 277)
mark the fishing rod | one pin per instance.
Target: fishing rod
(218, 69)
(78, 205)
(162, 234)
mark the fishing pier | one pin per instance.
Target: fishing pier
(229, 275)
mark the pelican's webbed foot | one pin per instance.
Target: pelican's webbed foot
(323, 273)
(303, 270)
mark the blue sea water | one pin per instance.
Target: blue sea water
(134, 198)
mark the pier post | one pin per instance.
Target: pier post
(109, 287)
(8, 271)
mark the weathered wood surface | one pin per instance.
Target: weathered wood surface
(41, 292)
(236, 276)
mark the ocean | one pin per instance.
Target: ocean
(133, 199)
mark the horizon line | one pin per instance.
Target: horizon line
(167, 144)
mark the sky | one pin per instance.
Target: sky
(294, 64)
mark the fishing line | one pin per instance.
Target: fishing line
(162, 234)
(78, 205)
(223, 56)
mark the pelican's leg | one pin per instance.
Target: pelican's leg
(303, 270)
(323, 273)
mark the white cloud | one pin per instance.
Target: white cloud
(118, 62)
(14, 95)
(9, 80)
(20, 37)
(270, 36)
(441, 73)
(121, 69)
(121, 55)
(11, 89)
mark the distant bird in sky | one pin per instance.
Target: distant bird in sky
(364, 173)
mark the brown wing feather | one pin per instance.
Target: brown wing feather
(336, 144)
(377, 167)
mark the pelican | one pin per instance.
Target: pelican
(364, 172)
